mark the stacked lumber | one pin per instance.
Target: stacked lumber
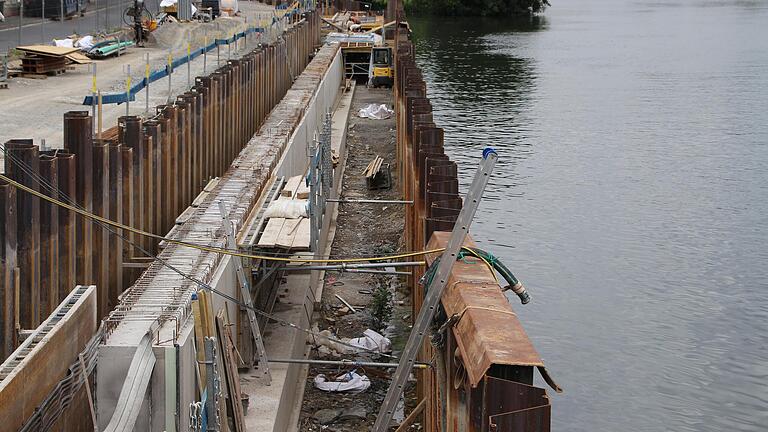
(373, 167)
(288, 233)
(49, 60)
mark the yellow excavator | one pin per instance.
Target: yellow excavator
(382, 69)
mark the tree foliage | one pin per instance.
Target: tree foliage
(475, 7)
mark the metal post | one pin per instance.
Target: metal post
(127, 89)
(96, 5)
(170, 72)
(245, 292)
(146, 81)
(349, 363)
(205, 51)
(118, 44)
(42, 23)
(435, 292)
(61, 16)
(21, 15)
(94, 89)
(189, 66)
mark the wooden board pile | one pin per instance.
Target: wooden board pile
(288, 233)
(49, 60)
(375, 177)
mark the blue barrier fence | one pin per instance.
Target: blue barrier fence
(118, 98)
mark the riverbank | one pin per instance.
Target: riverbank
(499, 8)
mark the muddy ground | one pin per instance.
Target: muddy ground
(362, 230)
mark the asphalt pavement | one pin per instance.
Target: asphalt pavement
(100, 15)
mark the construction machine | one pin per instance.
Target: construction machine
(382, 69)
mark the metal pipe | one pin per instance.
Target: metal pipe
(368, 201)
(346, 267)
(350, 363)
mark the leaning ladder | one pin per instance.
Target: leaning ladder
(245, 292)
(435, 291)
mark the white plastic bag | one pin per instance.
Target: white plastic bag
(372, 341)
(85, 43)
(375, 112)
(66, 43)
(350, 382)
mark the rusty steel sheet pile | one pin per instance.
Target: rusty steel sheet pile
(146, 173)
(483, 379)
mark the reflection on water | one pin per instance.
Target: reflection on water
(631, 197)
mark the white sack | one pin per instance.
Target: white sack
(372, 341)
(66, 43)
(375, 112)
(287, 208)
(85, 43)
(349, 382)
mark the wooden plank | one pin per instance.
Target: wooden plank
(22, 391)
(302, 238)
(48, 50)
(226, 346)
(302, 192)
(288, 233)
(78, 58)
(271, 232)
(199, 335)
(289, 190)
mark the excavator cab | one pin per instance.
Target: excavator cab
(382, 70)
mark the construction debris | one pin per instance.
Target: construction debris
(375, 112)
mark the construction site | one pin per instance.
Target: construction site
(244, 219)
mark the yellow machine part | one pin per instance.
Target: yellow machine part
(384, 71)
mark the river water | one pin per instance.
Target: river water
(631, 197)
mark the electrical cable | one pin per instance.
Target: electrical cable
(212, 249)
(36, 177)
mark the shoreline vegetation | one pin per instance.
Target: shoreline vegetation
(475, 7)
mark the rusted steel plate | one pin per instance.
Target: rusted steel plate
(22, 156)
(7, 268)
(49, 236)
(66, 170)
(488, 331)
(78, 139)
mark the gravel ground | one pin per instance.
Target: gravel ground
(362, 229)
